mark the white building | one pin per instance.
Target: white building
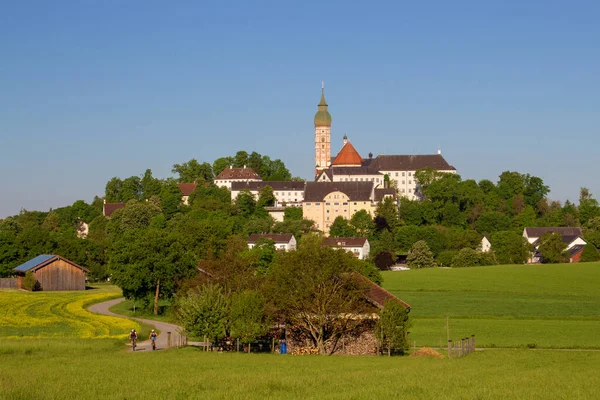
(485, 245)
(283, 241)
(359, 247)
(572, 237)
(186, 190)
(287, 193)
(230, 175)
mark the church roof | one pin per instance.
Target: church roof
(409, 162)
(237, 173)
(356, 191)
(322, 117)
(348, 156)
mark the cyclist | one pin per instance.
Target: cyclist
(153, 337)
(133, 337)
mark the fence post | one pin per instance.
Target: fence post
(473, 342)
(449, 348)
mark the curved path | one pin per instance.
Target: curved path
(162, 327)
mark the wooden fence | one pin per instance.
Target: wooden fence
(8, 283)
(176, 339)
(462, 347)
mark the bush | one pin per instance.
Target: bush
(444, 259)
(420, 256)
(590, 253)
(384, 260)
(29, 282)
(472, 258)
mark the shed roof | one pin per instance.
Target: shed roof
(561, 230)
(43, 260)
(187, 188)
(376, 294)
(110, 208)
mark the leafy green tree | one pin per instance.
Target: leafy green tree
(383, 260)
(391, 329)
(315, 290)
(387, 211)
(510, 247)
(511, 184)
(133, 216)
(202, 311)
(420, 256)
(526, 218)
(492, 221)
(193, 171)
(362, 223)
(149, 263)
(292, 214)
(410, 212)
(262, 256)
(266, 198)
(590, 253)
(29, 282)
(240, 160)
(457, 238)
(150, 185)
(248, 320)
(220, 164)
(444, 259)
(245, 203)
(534, 190)
(588, 206)
(552, 248)
(466, 258)
(452, 216)
(341, 228)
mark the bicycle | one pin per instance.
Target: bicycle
(153, 343)
(133, 344)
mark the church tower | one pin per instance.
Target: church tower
(322, 135)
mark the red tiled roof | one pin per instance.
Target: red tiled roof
(109, 208)
(237, 173)
(344, 241)
(187, 188)
(277, 238)
(348, 156)
(375, 293)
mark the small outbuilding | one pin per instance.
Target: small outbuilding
(53, 273)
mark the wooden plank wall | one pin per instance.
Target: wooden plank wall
(8, 283)
(60, 275)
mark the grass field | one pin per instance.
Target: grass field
(550, 306)
(127, 308)
(59, 314)
(51, 369)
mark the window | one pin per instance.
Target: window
(403, 182)
(308, 204)
(409, 182)
(346, 179)
(322, 146)
(354, 203)
(317, 204)
(327, 218)
(336, 204)
(327, 211)
(327, 204)
(402, 190)
(410, 173)
(289, 193)
(344, 204)
(403, 174)
(396, 174)
(409, 190)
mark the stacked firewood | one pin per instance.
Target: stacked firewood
(304, 351)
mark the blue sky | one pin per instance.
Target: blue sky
(95, 89)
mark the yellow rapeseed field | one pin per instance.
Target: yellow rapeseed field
(59, 314)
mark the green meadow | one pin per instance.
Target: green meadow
(101, 369)
(543, 306)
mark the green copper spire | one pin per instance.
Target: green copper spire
(322, 117)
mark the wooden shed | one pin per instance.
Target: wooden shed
(53, 273)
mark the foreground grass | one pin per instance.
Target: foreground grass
(59, 314)
(551, 306)
(97, 369)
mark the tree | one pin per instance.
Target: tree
(492, 221)
(590, 253)
(192, 171)
(466, 258)
(149, 263)
(384, 260)
(315, 290)
(510, 184)
(150, 185)
(362, 223)
(248, 321)
(220, 164)
(387, 212)
(552, 248)
(420, 256)
(266, 198)
(391, 329)
(245, 203)
(292, 214)
(588, 206)
(510, 247)
(341, 228)
(202, 311)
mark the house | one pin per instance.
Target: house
(325, 201)
(186, 190)
(283, 241)
(230, 175)
(485, 245)
(287, 193)
(53, 273)
(572, 237)
(359, 247)
(109, 208)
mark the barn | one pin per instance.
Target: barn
(53, 273)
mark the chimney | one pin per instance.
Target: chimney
(370, 155)
(439, 151)
(345, 139)
(244, 166)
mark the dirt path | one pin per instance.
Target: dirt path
(163, 327)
